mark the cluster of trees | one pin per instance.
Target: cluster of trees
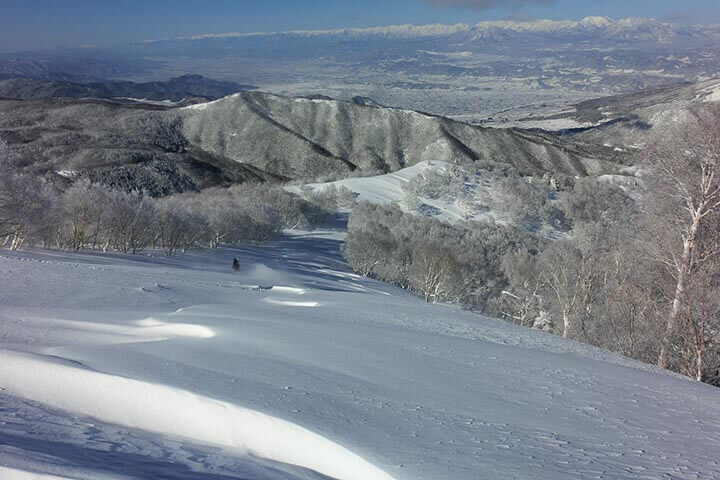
(448, 183)
(590, 285)
(24, 200)
(330, 197)
(90, 215)
(638, 274)
(525, 201)
(441, 262)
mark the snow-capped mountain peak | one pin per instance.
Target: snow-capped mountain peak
(643, 29)
(597, 22)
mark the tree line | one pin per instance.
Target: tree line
(87, 215)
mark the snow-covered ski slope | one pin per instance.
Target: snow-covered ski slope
(143, 367)
(388, 188)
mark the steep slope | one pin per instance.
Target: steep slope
(307, 138)
(630, 121)
(295, 366)
(254, 136)
(131, 147)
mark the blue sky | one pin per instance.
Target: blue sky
(36, 24)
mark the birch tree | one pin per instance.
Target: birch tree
(83, 208)
(435, 273)
(24, 200)
(571, 278)
(131, 221)
(685, 197)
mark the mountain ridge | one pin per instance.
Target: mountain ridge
(257, 136)
(184, 88)
(584, 25)
(353, 136)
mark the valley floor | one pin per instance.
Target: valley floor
(144, 367)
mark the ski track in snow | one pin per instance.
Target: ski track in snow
(120, 367)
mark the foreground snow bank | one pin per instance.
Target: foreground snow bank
(12, 474)
(158, 408)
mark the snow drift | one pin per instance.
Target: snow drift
(171, 411)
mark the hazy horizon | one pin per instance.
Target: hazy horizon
(44, 24)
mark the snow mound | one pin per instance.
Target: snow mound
(378, 189)
(146, 330)
(12, 474)
(714, 95)
(285, 289)
(155, 327)
(290, 303)
(171, 411)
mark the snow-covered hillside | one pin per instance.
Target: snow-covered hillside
(388, 188)
(140, 367)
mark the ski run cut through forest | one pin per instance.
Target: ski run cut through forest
(128, 367)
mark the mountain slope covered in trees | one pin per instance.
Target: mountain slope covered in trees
(255, 136)
(326, 136)
(633, 121)
(185, 89)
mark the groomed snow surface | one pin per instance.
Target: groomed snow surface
(144, 367)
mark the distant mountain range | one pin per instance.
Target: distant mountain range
(186, 89)
(465, 71)
(335, 116)
(624, 30)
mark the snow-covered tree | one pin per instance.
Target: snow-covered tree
(179, 228)
(24, 201)
(82, 210)
(131, 222)
(435, 273)
(684, 199)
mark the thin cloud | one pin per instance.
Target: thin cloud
(485, 4)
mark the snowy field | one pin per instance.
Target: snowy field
(144, 367)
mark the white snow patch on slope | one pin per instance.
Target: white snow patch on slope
(158, 408)
(12, 474)
(714, 94)
(378, 189)
(708, 91)
(388, 188)
(146, 330)
(295, 290)
(290, 303)
(205, 105)
(67, 173)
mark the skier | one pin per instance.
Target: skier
(236, 265)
